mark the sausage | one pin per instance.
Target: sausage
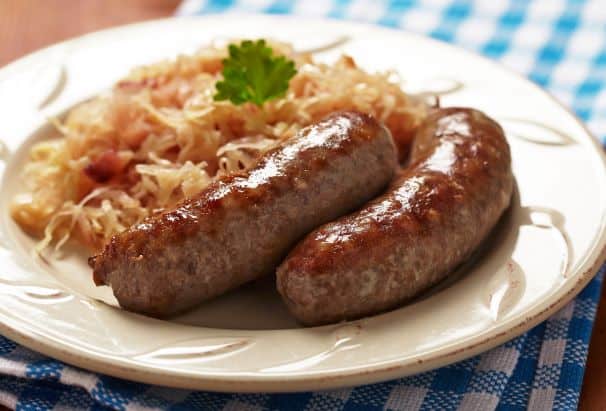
(241, 226)
(430, 219)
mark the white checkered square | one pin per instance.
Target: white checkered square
(475, 401)
(531, 37)
(312, 8)
(73, 376)
(420, 21)
(564, 96)
(8, 400)
(584, 42)
(520, 62)
(476, 32)
(490, 8)
(595, 12)
(12, 366)
(570, 72)
(405, 397)
(365, 10)
(545, 11)
(499, 359)
(565, 313)
(552, 352)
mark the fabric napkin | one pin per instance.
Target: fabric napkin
(561, 45)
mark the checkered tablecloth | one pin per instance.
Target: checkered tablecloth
(560, 45)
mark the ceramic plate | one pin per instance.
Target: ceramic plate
(548, 246)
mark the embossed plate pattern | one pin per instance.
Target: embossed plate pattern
(546, 249)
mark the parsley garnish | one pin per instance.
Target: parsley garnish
(252, 73)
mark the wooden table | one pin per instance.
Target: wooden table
(26, 25)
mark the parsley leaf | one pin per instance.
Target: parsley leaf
(252, 73)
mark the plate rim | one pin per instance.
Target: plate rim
(147, 373)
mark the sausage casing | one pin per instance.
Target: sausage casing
(431, 218)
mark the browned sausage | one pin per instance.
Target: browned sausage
(242, 226)
(429, 220)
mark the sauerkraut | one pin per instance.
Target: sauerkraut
(158, 137)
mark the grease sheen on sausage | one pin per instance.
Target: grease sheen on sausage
(430, 220)
(241, 226)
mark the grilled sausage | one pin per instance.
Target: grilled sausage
(431, 218)
(241, 226)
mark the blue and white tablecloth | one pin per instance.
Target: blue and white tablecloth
(559, 44)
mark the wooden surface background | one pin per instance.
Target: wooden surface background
(26, 25)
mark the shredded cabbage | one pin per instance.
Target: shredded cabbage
(158, 137)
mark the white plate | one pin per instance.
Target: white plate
(547, 248)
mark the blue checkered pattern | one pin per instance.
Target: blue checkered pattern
(560, 45)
